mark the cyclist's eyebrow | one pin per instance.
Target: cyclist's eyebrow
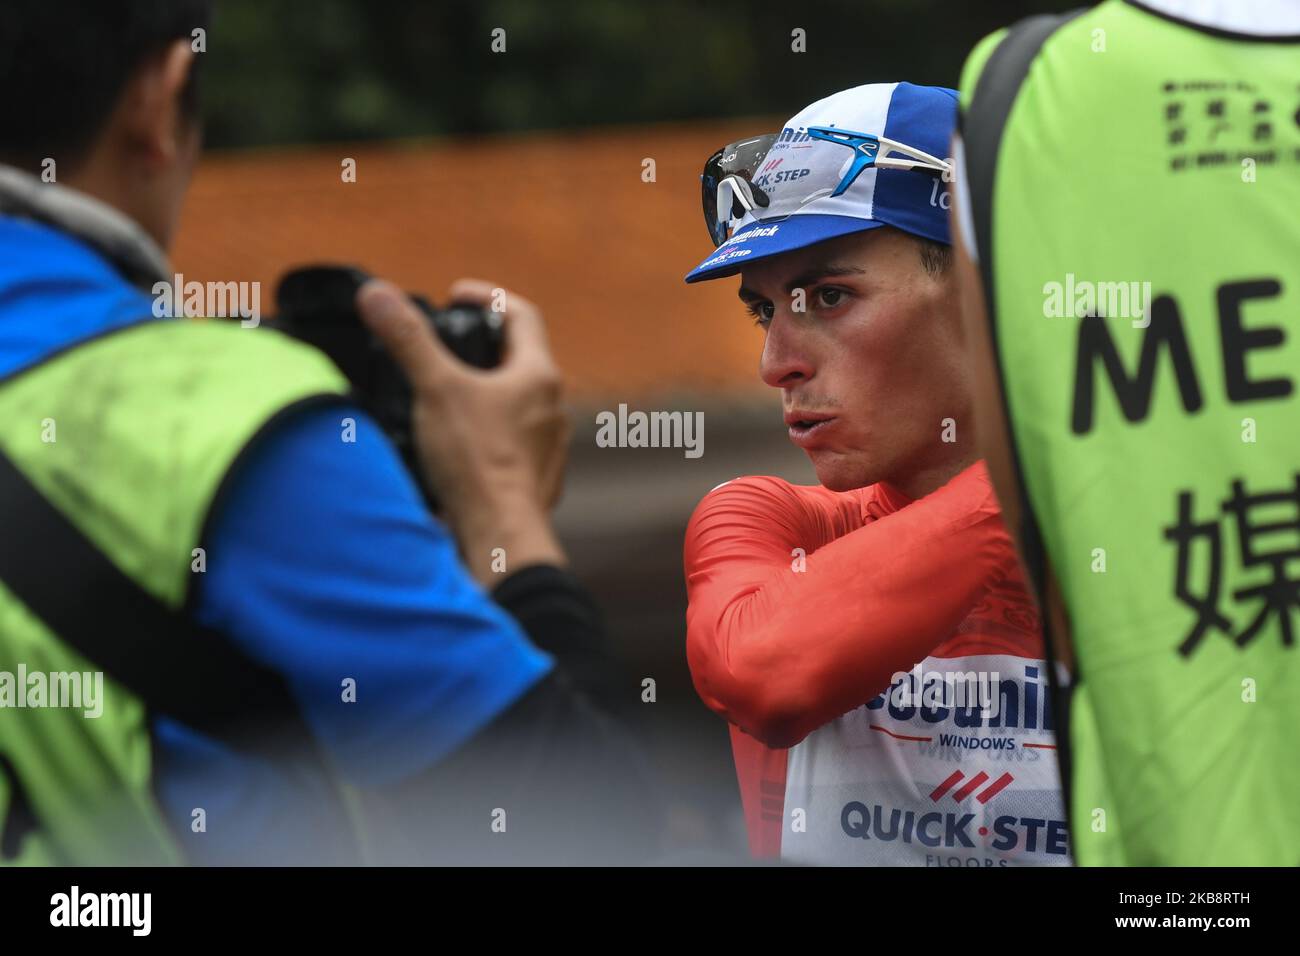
(816, 274)
(803, 280)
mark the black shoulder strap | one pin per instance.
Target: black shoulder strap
(983, 123)
(177, 667)
(982, 126)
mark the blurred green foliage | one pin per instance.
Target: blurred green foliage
(288, 71)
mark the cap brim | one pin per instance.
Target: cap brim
(786, 235)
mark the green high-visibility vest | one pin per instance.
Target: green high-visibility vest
(129, 436)
(1134, 184)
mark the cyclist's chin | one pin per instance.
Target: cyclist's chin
(844, 470)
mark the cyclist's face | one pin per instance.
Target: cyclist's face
(866, 347)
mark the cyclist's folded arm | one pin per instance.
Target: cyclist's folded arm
(780, 651)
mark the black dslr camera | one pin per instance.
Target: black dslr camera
(317, 304)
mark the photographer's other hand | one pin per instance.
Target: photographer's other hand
(491, 442)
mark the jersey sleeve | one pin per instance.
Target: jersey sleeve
(781, 643)
(324, 565)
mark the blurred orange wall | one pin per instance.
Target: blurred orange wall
(564, 219)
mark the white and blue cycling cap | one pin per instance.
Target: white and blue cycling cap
(859, 159)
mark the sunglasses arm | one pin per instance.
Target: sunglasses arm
(917, 159)
(732, 188)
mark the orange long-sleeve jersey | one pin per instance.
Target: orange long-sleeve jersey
(881, 665)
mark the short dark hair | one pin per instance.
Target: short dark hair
(936, 257)
(64, 63)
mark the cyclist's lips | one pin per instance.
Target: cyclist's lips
(807, 428)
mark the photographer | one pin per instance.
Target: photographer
(297, 666)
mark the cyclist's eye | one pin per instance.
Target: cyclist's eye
(830, 297)
(762, 312)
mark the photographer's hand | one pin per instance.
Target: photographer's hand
(491, 442)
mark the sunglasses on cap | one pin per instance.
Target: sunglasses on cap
(728, 191)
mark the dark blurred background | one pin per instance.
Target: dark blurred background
(288, 71)
(528, 167)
